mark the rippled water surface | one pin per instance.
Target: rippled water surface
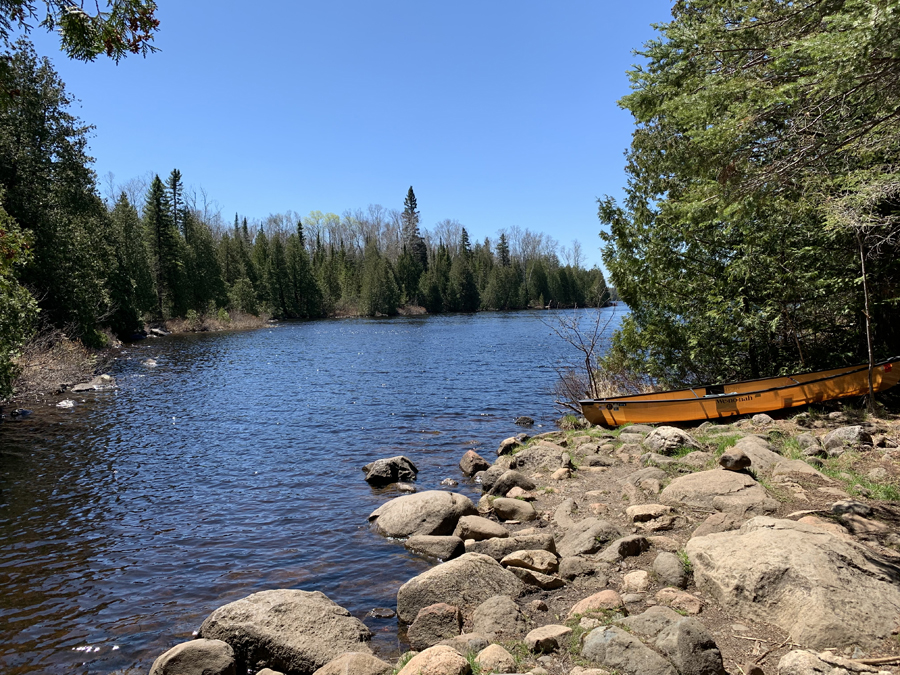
(233, 466)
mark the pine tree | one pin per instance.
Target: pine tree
(131, 283)
(165, 250)
(176, 200)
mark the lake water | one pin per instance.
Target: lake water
(233, 466)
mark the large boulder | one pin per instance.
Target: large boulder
(499, 616)
(434, 623)
(728, 491)
(390, 470)
(292, 631)
(762, 457)
(614, 648)
(667, 440)
(690, 647)
(432, 512)
(196, 657)
(466, 582)
(824, 589)
(540, 455)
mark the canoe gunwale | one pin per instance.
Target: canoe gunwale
(640, 398)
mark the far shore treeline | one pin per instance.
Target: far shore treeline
(153, 251)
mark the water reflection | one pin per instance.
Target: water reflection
(233, 466)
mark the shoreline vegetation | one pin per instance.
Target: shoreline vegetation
(757, 543)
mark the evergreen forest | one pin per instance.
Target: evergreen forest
(760, 227)
(153, 250)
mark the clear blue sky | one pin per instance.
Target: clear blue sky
(498, 113)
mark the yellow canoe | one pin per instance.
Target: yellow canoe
(741, 398)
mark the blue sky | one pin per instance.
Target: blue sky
(498, 113)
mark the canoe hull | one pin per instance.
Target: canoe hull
(740, 398)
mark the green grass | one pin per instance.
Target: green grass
(841, 470)
(685, 562)
(405, 658)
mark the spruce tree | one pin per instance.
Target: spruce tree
(165, 249)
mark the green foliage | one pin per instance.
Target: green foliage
(125, 27)
(50, 190)
(757, 124)
(18, 308)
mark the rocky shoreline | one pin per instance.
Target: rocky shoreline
(758, 546)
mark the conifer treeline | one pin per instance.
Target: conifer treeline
(365, 263)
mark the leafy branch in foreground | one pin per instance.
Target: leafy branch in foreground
(126, 27)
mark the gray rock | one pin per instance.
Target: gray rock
(547, 638)
(851, 506)
(588, 536)
(625, 547)
(666, 440)
(432, 512)
(467, 643)
(539, 455)
(500, 548)
(670, 570)
(718, 522)
(434, 623)
(438, 659)
(626, 437)
(478, 528)
(499, 616)
(652, 621)
(99, 383)
(734, 460)
(803, 662)
(729, 491)
(598, 460)
(197, 657)
(576, 566)
(690, 648)
(761, 420)
(288, 630)
(614, 648)
(698, 459)
(390, 470)
(762, 458)
(531, 578)
(513, 509)
(537, 560)
(525, 421)
(649, 473)
(509, 445)
(510, 479)
(489, 477)
(356, 663)
(466, 581)
(495, 659)
(471, 463)
(844, 436)
(823, 589)
(444, 548)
